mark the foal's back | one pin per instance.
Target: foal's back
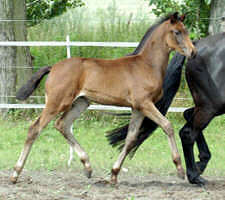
(115, 81)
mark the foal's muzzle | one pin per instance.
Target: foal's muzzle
(190, 53)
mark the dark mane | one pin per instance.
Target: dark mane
(148, 33)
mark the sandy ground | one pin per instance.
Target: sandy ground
(73, 185)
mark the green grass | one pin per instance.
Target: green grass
(51, 151)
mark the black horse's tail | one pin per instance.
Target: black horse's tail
(26, 90)
(116, 137)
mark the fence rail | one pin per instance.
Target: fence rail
(69, 44)
(91, 107)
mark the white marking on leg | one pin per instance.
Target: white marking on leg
(15, 174)
(71, 156)
(20, 162)
(71, 150)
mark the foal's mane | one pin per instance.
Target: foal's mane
(149, 32)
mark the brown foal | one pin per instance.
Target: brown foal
(133, 81)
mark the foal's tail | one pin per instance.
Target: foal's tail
(26, 90)
(171, 84)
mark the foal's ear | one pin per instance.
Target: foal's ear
(174, 18)
(182, 17)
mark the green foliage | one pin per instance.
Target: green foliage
(105, 25)
(39, 10)
(208, 1)
(197, 13)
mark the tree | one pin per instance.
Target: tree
(217, 15)
(197, 13)
(37, 10)
(203, 16)
(10, 57)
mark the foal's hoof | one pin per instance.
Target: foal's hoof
(13, 179)
(113, 182)
(88, 173)
(181, 173)
(198, 181)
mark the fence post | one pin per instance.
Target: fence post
(68, 46)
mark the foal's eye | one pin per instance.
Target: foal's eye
(176, 32)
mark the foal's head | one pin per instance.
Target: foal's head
(177, 37)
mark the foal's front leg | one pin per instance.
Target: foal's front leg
(135, 123)
(149, 110)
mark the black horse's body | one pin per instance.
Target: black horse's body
(205, 75)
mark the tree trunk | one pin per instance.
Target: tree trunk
(23, 57)
(217, 24)
(7, 54)
(12, 57)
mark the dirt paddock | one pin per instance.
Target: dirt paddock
(73, 185)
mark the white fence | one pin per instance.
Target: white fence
(91, 107)
(69, 44)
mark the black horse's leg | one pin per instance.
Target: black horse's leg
(189, 134)
(188, 114)
(188, 138)
(188, 143)
(204, 153)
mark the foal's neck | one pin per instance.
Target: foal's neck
(156, 52)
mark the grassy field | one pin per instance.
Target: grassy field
(51, 151)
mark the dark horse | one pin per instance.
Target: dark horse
(205, 76)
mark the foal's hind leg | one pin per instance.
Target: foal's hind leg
(135, 123)
(33, 133)
(71, 156)
(149, 110)
(64, 125)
